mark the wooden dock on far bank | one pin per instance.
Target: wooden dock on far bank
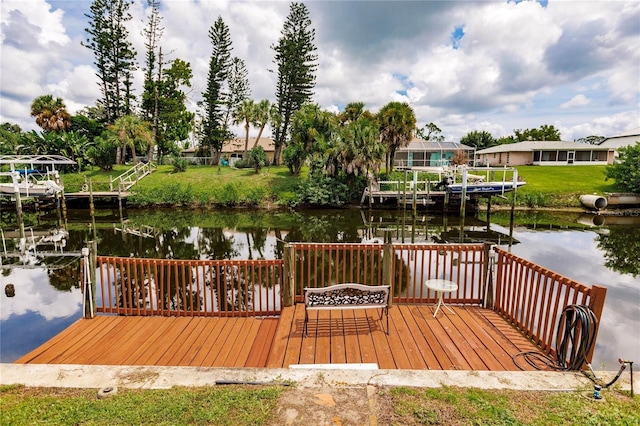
(98, 194)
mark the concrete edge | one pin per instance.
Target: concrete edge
(147, 377)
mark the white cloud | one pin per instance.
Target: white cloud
(515, 66)
(35, 294)
(38, 14)
(576, 101)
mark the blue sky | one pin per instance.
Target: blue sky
(463, 65)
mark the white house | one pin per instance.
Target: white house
(628, 138)
(547, 153)
(421, 153)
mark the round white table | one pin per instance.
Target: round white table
(441, 286)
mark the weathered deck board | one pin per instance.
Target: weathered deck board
(471, 338)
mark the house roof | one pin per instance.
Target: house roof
(418, 144)
(530, 146)
(237, 144)
(626, 138)
(630, 132)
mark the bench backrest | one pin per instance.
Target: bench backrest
(348, 294)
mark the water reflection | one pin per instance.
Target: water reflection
(47, 292)
(621, 248)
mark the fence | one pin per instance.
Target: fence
(131, 286)
(405, 267)
(532, 298)
(528, 296)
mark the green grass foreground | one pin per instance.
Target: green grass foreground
(456, 406)
(206, 186)
(243, 405)
(232, 405)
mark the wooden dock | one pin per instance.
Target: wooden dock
(470, 338)
(98, 194)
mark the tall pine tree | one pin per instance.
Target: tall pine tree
(238, 88)
(152, 70)
(163, 100)
(114, 55)
(214, 128)
(296, 62)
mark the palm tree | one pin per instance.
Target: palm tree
(245, 113)
(397, 122)
(312, 134)
(51, 114)
(130, 131)
(264, 113)
(353, 111)
(361, 149)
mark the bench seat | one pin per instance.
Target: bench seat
(346, 296)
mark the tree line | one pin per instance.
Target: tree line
(121, 126)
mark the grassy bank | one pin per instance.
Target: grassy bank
(238, 405)
(560, 186)
(204, 186)
(175, 406)
(200, 186)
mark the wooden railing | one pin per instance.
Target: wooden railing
(405, 267)
(132, 176)
(130, 286)
(529, 296)
(463, 264)
(532, 298)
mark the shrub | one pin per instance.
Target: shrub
(179, 165)
(242, 164)
(255, 195)
(534, 199)
(626, 171)
(257, 158)
(172, 194)
(293, 157)
(103, 153)
(324, 191)
(228, 195)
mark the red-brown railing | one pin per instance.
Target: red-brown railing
(132, 286)
(529, 296)
(321, 265)
(462, 264)
(532, 298)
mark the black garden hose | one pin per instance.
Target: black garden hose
(576, 332)
(574, 339)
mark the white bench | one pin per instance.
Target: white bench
(346, 296)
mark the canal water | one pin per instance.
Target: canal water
(43, 269)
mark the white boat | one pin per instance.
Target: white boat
(30, 185)
(475, 184)
(27, 180)
(485, 188)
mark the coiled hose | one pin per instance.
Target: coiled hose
(574, 338)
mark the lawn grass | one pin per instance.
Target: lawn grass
(231, 405)
(467, 406)
(557, 186)
(200, 186)
(257, 405)
(206, 186)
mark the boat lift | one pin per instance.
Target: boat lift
(31, 246)
(22, 170)
(50, 186)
